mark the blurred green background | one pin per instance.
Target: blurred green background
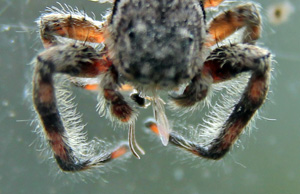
(267, 160)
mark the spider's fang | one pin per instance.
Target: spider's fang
(132, 142)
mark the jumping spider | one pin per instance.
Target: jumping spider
(153, 46)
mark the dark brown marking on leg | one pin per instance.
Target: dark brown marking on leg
(59, 147)
(45, 93)
(257, 88)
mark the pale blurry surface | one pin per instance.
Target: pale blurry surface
(267, 162)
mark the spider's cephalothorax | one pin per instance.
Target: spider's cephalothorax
(150, 46)
(157, 42)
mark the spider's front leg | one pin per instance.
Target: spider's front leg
(72, 25)
(225, 63)
(75, 60)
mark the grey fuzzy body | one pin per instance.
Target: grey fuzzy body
(157, 43)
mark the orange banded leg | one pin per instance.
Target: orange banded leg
(54, 60)
(91, 87)
(69, 25)
(226, 63)
(95, 86)
(211, 3)
(227, 23)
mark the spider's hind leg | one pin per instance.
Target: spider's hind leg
(223, 64)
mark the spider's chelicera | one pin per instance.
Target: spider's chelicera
(150, 46)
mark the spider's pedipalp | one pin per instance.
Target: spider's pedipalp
(133, 143)
(86, 62)
(113, 99)
(223, 64)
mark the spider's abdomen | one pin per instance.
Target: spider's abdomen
(157, 42)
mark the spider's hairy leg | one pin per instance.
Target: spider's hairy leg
(70, 25)
(226, 63)
(225, 24)
(86, 62)
(211, 3)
